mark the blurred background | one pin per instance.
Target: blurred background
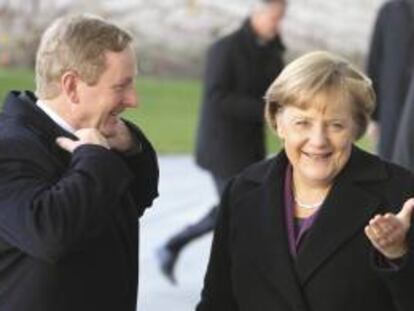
(172, 37)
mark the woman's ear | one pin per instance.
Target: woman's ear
(69, 83)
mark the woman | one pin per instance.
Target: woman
(320, 226)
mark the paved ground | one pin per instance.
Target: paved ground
(186, 193)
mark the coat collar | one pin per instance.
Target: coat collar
(251, 40)
(344, 214)
(22, 106)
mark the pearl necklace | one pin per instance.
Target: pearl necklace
(308, 206)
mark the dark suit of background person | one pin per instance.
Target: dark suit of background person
(69, 220)
(390, 60)
(404, 143)
(230, 135)
(252, 269)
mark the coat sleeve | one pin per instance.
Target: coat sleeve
(48, 217)
(217, 293)
(400, 281)
(219, 87)
(400, 278)
(143, 165)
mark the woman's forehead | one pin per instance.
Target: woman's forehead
(325, 103)
(318, 110)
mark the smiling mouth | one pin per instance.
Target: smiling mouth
(317, 156)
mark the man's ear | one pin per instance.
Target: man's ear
(69, 83)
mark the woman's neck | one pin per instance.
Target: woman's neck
(309, 193)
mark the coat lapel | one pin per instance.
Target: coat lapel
(345, 213)
(272, 251)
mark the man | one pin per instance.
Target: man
(404, 141)
(74, 176)
(390, 62)
(239, 69)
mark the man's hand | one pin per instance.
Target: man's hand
(86, 136)
(120, 138)
(388, 233)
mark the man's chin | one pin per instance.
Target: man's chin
(108, 131)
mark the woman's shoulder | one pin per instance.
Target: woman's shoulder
(258, 171)
(366, 165)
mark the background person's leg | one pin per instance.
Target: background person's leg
(169, 253)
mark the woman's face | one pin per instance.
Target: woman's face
(317, 141)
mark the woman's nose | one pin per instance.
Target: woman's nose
(318, 136)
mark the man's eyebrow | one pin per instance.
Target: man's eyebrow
(124, 82)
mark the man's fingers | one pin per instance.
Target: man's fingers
(91, 136)
(86, 136)
(67, 143)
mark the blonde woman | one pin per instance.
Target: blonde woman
(320, 226)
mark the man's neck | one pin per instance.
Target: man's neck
(52, 109)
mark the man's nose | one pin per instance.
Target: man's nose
(131, 99)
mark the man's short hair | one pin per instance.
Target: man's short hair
(274, 1)
(76, 43)
(264, 4)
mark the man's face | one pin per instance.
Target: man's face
(100, 105)
(269, 20)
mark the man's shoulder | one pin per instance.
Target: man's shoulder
(16, 135)
(226, 42)
(145, 144)
(16, 138)
(395, 9)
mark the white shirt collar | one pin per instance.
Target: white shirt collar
(55, 117)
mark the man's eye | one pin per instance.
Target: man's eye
(302, 123)
(337, 126)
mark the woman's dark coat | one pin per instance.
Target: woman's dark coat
(251, 268)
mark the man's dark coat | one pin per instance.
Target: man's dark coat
(68, 223)
(390, 62)
(238, 72)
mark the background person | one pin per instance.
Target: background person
(74, 176)
(319, 226)
(390, 62)
(404, 142)
(231, 136)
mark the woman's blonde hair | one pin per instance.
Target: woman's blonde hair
(321, 73)
(78, 43)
